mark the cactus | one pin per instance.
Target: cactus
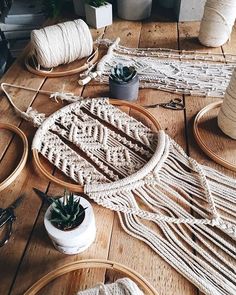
(67, 213)
(122, 74)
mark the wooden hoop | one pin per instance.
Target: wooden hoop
(79, 188)
(201, 142)
(52, 73)
(23, 159)
(92, 263)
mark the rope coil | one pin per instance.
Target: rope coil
(62, 43)
(217, 22)
(227, 114)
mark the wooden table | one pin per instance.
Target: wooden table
(29, 253)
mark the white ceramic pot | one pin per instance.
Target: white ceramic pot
(134, 9)
(99, 17)
(76, 240)
(79, 6)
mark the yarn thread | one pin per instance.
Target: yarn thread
(217, 22)
(62, 43)
(227, 114)
(120, 287)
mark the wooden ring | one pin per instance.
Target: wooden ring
(92, 263)
(23, 159)
(201, 142)
(52, 73)
(79, 188)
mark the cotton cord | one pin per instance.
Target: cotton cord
(217, 22)
(227, 113)
(62, 43)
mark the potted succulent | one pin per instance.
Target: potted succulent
(98, 13)
(134, 9)
(70, 223)
(124, 82)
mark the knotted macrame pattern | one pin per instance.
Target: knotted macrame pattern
(182, 72)
(184, 211)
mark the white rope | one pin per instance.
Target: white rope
(227, 114)
(122, 286)
(62, 43)
(217, 22)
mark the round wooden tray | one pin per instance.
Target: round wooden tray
(23, 159)
(74, 67)
(211, 139)
(92, 263)
(78, 188)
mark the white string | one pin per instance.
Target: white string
(227, 114)
(217, 22)
(62, 43)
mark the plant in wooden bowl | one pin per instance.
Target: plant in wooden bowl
(124, 82)
(98, 13)
(70, 223)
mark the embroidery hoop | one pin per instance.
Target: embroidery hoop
(203, 145)
(32, 67)
(6, 182)
(91, 263)
(76, 187)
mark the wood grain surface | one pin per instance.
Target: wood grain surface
(29, 254)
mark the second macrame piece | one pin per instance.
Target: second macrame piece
(162, 196)
(182, 72)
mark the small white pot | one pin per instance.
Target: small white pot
(79, 6)
(76, 240)
(98, 17)
(134, 9)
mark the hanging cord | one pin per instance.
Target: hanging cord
(217, 22)
(61, 43)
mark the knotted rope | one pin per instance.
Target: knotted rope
(217, 22)
(62, 43)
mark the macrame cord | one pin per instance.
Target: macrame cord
(162, 196)
(181, 72)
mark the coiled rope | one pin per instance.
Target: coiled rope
(227, 114)
(62, 43)
(217, 22)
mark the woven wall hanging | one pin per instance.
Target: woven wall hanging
(182, 72)
(162, 196)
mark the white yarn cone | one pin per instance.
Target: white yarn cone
(227, 114)
(62, 43)
(217, 22)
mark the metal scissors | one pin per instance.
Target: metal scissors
(174, 104)
(7, 217)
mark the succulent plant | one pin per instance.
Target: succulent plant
(122, 74)
(67, 213)
(96, 3)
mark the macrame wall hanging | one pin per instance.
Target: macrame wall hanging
(184, 211)
(182, 72)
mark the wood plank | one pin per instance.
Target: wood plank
(195, 104)
(124, 248)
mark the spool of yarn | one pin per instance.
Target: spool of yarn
(227, 114)
(217, 22)
(61, 43)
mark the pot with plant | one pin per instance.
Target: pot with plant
(98, 13)
(70, 223)
(124, 82)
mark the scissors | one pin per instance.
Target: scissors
(174, 104)
(7, 217)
